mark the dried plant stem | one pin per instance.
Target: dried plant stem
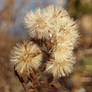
(34, 86)
(35, 78)
(25, 87)
(22, 81)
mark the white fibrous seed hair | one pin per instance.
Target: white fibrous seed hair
(54, 24)
(37, 24)
(68, 30)
(60, 69)
(66, 34)
(46, 22)
(62, 60)
(26, 56)
(62, 52)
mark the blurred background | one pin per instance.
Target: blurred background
(12, 30)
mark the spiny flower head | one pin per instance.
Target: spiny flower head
(37, 24)
(68, 32)
(26, 56)
(62, 51)
(62, 60)
(59, 69)
(55, 26)
(46, 22)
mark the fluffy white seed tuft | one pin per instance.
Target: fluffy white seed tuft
(60, 69)
(26, 56)
(46, 22)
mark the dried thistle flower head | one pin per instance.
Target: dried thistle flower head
(51, 22)
(37, 24)
(62, 51)
(62, 59)
(68, 33)
(46, 22)
(26, 56)
(59, 69)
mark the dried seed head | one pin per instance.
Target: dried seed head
(55, 24)
(47, 22)
(62, 51)
(59, 69)
(37, 25)
(26, 56)
(62, 60)
(66, 35)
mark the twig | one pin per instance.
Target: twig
(35, 78)
(22, 81)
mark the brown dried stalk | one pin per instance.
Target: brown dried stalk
(21, 81)
(35, 83)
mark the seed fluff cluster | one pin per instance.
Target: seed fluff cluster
(45, 24)
(26, 56)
